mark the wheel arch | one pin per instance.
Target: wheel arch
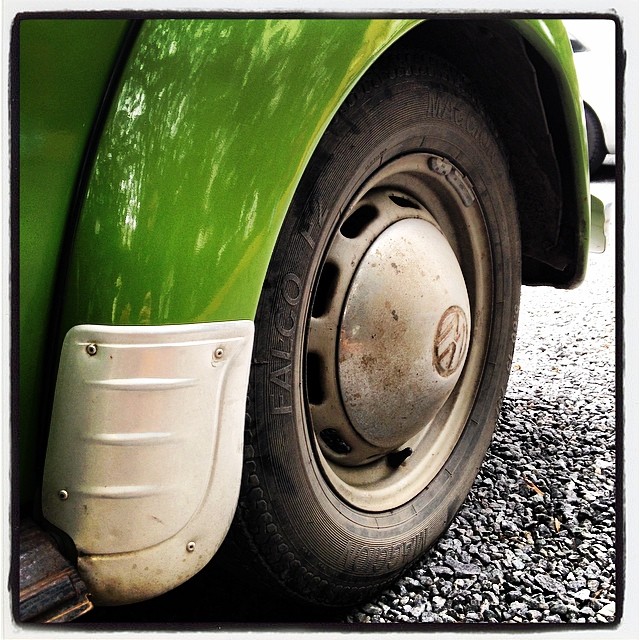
(523, 73)
(128, 264)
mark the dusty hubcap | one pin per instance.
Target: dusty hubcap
(397, 332)
(404, 333)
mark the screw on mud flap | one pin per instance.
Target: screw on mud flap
(396, 458)
(218, 354)
(92, 349)
(63, 494)
(191, 546)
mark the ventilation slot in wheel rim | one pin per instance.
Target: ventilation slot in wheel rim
(334, 441)
(326, 289)
(403, 202)
(357, 222)
(315, 383)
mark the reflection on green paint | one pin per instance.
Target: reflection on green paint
(201, 154)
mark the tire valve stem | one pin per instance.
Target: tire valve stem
(396, 458)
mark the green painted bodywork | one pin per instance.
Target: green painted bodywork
(203, 149)
(206, 139)
(64, 68)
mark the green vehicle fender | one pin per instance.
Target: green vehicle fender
(203, 148)
(200, 156)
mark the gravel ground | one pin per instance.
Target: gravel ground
(535, 540)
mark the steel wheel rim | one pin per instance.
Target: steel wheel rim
(429, 197)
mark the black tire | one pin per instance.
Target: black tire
(595, 140)
(411, 140)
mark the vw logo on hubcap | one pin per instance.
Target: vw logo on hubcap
(450, 346)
